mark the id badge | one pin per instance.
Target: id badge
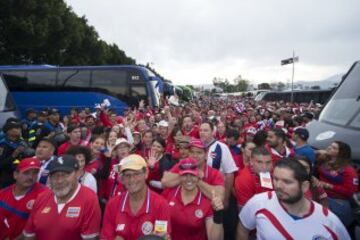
(265, 180)
(161, 226)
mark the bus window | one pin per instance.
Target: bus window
(41, 79)
(15, 80)
(347, 95)
(114, 82)
(74, 78)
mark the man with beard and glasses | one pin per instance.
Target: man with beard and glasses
(67, 211)
(286, 213)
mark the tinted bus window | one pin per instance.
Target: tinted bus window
(114, 82)
(41, 79)
(348, 94)
(15, 80)
(73, 78)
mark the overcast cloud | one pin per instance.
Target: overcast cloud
(192, 41)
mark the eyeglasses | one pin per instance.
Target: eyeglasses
(188, 166)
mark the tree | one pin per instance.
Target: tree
(280, 86)
(48, 31)
(264, 86)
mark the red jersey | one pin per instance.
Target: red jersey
(78, 219)
(120, 221)
(194, 132)
(4, 229)
(276, 156)
(16, 211)
(212, 176)
(345, 181)
(112, 185)
(188, 221)
(66, 145)
(246, 185)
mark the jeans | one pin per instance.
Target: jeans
(342, 209)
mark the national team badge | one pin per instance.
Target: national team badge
(213, 155)
(199, 213)
(30, 204)
(171, 203)
(147, 228)
(46, 210)
(73, 212)
(120, 227)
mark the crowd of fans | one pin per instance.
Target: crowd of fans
(208, 169)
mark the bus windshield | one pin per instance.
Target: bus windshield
(344, 107)
(6, 102)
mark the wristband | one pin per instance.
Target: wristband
(218, 217)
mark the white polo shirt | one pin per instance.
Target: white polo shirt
(264, 213)
(219, 157)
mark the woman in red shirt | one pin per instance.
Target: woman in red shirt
(339, 179)
(193, 216)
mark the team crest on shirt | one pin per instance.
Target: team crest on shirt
(319, 237)
(199, 213)
(73, 212)
(171, 203)
(30, 204)
(120, 227)
(147, 228)
(213, 155)
(46, 210)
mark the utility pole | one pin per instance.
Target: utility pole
(289, 61)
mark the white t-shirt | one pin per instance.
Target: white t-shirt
(219, 157)
(89, 181)
(272, 221)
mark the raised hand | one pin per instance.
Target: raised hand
(216, 201)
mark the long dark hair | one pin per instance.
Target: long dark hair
(343, 158)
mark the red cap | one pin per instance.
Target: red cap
(189, 166)
(28, 163)
(194, 142)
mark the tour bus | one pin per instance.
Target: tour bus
(41, 86)
(7, 105)
(340, 118)
(300, 96)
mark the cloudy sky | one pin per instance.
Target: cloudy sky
(193, 41)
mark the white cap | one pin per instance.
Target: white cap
(163, 123)
(120, 141)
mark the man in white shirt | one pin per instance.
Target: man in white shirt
(286, 213)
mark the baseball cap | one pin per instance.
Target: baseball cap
(30, 110)
(53, 111)
(303, 133)
(120, 141)
(65, 163)
(251, 131)
(28, 163)
(188, 166)
(163, 123)
(132, 162)
(11, 125)
(197, 143)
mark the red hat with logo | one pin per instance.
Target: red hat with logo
(188, 166)
(28, 163)
(194, 142)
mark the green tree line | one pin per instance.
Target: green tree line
(49, 32)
